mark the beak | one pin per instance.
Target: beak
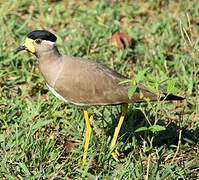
(20, 48)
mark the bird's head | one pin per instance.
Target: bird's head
(38, 41)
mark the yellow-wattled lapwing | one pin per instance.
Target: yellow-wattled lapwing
(83, 82)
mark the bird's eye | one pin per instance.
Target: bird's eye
(38, 41)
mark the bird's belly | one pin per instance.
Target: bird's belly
(61, 97)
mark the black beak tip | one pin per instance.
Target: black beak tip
(20, 48)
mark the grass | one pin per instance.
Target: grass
(42, 138)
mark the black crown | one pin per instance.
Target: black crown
(42, 34)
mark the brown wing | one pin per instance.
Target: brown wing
(86, 82)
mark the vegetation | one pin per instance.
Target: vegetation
(42, 137)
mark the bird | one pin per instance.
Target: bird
(84, 82)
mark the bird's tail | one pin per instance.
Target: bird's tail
(171, 97)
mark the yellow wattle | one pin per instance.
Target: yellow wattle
(29, 44)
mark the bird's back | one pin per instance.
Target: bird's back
(86, 82)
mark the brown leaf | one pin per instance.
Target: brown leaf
(121, 40)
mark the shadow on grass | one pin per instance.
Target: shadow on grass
(135, 119)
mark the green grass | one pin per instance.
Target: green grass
(36, 129)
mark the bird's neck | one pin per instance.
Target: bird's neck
(50, 63)
(54, 52)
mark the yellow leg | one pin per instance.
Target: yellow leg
(88, 136)
(117, 130)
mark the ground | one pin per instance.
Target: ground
(42, 138)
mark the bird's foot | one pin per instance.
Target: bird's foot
(117, 156)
